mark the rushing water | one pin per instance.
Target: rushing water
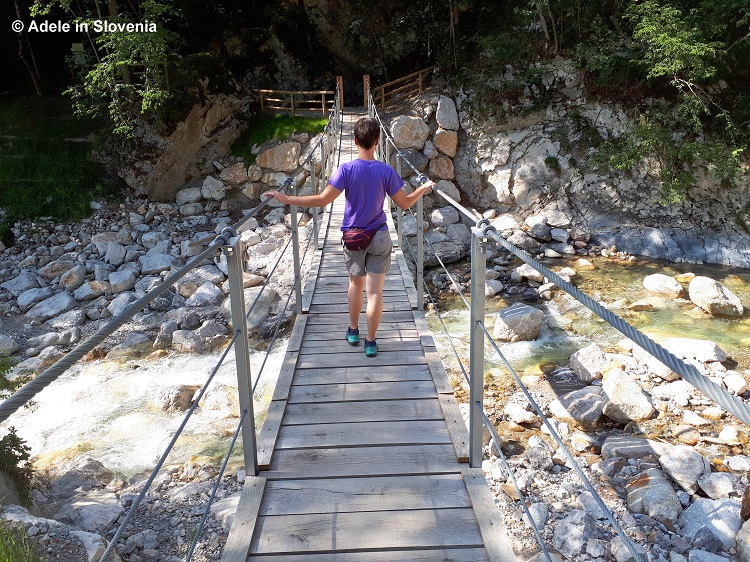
(105, 410)
(568, 326)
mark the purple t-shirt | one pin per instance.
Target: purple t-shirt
(366, 183)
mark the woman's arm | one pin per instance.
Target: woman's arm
(405, 201)
(321, 200)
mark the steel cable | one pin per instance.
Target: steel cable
(163, 458)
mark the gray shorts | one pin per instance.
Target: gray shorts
(376, 258)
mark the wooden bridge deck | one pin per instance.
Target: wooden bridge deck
(364, 459)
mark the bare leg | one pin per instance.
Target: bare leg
(374, 303)
(356, 284)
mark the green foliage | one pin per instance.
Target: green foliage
(553, 163)
(46, 166)
(14, 453)
(14, 545)
(265, 126)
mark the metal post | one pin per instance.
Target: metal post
(476, 349)
(399, 212)
(295, 248)
(233, 251)
(316, 189)
(420, 255)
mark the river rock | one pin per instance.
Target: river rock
(446, 142)
(73, 278)
(450, 189)
(120, 303)
(93, 512)
(134, 344)
(653, 364)
(719, 484)
(633, 447)
(524, 241)
(23, 282)
(677, 391)
(68, 320)
(518, 414)
(459, 233)
(518, 322)
(281, 158)
(714, 298)
(56, 268)
(525, 271)
(663, 285)
(413, 157)
(213, 189)
(704, 351)
(721, 517)
(51, 307)
(206, 295)
(155, 263)
(120, 281)
(187, 341)
(538, 454)
(588, 363)
(221, 398)
(29, 298)
(91, 290)
(188, 195)
(651, 493)
(743, 543)
(175, 398)
(115, 254)
(572, 533)
(444, 216)
(684, 465)
(492, 287)
(446, 114)
(627, 401)
(66, 337)
(735, 383)
(8, 346)
(409, 132)
(584, 406)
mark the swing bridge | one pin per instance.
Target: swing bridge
(364, 459)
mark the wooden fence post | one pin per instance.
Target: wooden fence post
(366, 88)
(340, 85)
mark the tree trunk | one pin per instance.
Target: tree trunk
(35, 78)
(542, 20)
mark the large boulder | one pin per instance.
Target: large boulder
(446, 141)
(52, 307)
(519, 322)
(583, 407)
(714, 298)
(23, 282)
(721, 517)
(280, 158)
(446, 114)
(29, 298)
(663, 285)
(409, 132)
(685, 466)
(441, 167)
(627, 401)
(651, 493)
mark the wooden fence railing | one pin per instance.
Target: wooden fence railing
(403, 87)
(293, 101)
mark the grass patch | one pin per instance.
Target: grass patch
(46, 167)
(266, 126)
(15, 547)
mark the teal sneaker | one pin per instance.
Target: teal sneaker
(371, 348)
(352, 336)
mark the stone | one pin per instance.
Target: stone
(518, 322)
(155, 263)
(492, 287)
(92, 542)
(150, 240)
(446, 114)
(714, 298)
(676, 391)
(518, 414)
(73, 278)
(164, 337)
(115, 254)
(721, 517)
(187, 341)
(52, 307)
(188, 195)
(95, 512)
(66, 337)
(584, 407)
(627, 401)
(572, 533)
(651, 493)
(409, 132)
(704, 351)
(207, 294)
(191, 209)
(225, 509)
(135, 344)
(254, 172)
(68, 320)
(281, 158)
(588, 363)
(539, 514)
(735, 383)
(663, 285)
(687, 434)
(587, 502)
(23, 282)
(559, 234)
(175, 398)
(221, 398)
(622, 553)
(444, 216)
(719, 484)
(213, 189)
(632, 447)
(459, 233)
(441, 167)
(524, 241)
(121, 281)
(743, 543)
(738, 463)
(413, 157)
(729, 434)
(8, 346)
(56, 268)
(91, 290)
(684, 465)
(505, 222)
(538, 454)
(29, 298)
(653, 364)
(102, 240)
(446, 142)
(210, 329)
(450, 189)
(234, 175)
(120, 303)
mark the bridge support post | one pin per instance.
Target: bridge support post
(340, 88)
(366, 87)
(233, 251)
(420, 254)
(316, 190)
(476, 343)
(295, 250)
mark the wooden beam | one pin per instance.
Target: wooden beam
(240, 536)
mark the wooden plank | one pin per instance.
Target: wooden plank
(360, 392)
(284, 382)
(494, 535)
(456, 426)
(381, 410)
(341, 298)
(363, 461)
(308, 293)
(343, 532)
(343, 318)
(324, 325)
(342, 346)
(362, 434)
(388, 306)
(348, 375)
(298, 332)
(386, 356)
(314, 338)
(384, 493)
(431, 355)
(406, 277)
(269, 432)
(428, 555)
(240, 535)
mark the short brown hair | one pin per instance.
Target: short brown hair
(366, 132)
